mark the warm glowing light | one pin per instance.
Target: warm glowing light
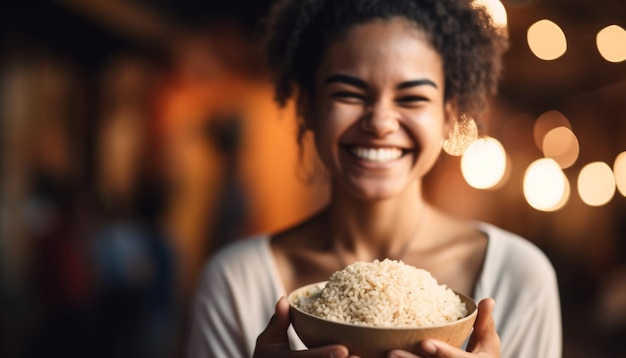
(619, 169)
(547, 122)
(496, 9)
(561, 145)
(546, 40)
(484, 163)
(565, 196)
(611, 42)
(596, 184)
(463, 133)
(545, 186)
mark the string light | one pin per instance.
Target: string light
(561, 145)
(545, 186)
(546, 122)
(596, 184)
(611, 43)
(619, 169)
(546, 40)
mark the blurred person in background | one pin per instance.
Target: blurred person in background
(378, 85)
(134, 266)
(55, 299)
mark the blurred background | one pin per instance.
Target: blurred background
(137, 137)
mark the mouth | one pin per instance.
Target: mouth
(377, 154)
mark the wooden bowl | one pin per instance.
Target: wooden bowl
(370, 342)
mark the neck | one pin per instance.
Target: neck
(367, 230)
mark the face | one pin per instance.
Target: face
(378, 114)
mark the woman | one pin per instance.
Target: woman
(380, 83)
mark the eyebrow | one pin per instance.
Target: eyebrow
(420, 82)
(357, 82)
(350, 80)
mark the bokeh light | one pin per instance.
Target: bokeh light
(546, 122)
(596, 184)
(546, 40)
(546, 187)
(496, 10)
(561, 145)
(463, 134)
(611, 43)
(619, 169)
(484, 163)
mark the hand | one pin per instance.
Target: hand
(484, 341)
(273, 342)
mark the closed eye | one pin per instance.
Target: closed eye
(411, 99)
(346, 95)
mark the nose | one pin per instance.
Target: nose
(380, 119)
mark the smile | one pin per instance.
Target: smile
(377, 155)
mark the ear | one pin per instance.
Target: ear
(451, 115)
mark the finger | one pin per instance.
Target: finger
(484, 338)
(283, 351)
(396, 353)
(332, 351)
(436, 349)
(431, 348)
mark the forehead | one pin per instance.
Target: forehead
(383, 48)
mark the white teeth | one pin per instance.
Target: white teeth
(379, 155)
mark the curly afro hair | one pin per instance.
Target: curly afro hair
(471, 46)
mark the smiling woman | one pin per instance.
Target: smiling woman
(380, 84)
(379, 95)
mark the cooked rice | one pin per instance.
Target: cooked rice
(384, 293)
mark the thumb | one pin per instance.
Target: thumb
(484, 337)
(276, 331)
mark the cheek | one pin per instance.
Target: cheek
(331, 123)
(428, 134)
(428, 130)
(326, 135)
(435, 144)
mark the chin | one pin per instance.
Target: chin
(376, 193)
